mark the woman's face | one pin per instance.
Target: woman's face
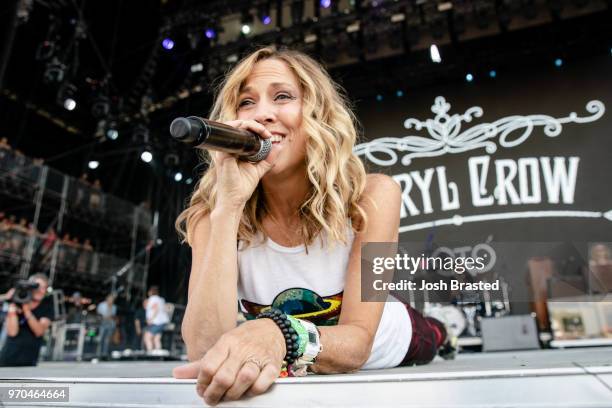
(271, 95)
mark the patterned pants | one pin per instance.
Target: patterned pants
(428, 334)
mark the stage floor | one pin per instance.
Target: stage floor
(542, 378)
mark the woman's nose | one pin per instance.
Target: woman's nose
(264, 112)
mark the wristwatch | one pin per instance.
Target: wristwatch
(313, 347)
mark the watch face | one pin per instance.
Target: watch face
(312, 338)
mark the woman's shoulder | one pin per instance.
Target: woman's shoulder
(380, 189)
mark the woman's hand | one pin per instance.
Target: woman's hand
(244, 361)
(237, 179)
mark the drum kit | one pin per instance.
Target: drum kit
(463, 313)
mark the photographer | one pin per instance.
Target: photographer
(29, 315)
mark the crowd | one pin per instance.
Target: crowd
(14, 236)
(119, 326)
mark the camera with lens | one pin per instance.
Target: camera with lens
(23, 292)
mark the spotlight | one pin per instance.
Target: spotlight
(492, 73)
(178, 176)
(297, 11)
(325, 3)
(558, 62)
(168, 44)
(112, 134)
(245, 21)
(54, 71)
(210, 33)
(100, 107)
(140, 134)
(66, 96)
(264, 13)
(434, 53)
(45, 50)
(199, 67)
(469, 77)
(379, 97)
(146, 156)
(189, 181)
(69, 104)
(93, 164)
(399, 93)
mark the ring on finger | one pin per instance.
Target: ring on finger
(260, 364)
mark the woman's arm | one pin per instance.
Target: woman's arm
(347, 346)
(212, 298)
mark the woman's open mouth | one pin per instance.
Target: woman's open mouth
(275, 139)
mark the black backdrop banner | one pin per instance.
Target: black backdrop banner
(525, 157)
(522, 157)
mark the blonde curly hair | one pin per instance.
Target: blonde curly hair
(337, 176)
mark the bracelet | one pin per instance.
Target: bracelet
(292, 341)
(302, 333)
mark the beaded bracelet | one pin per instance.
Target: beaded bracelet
(302, 333)
(292, 340)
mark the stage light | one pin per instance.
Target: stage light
(112, 134)
(146, 156)
(100, 107)
(178, 176)
(558, 62)
(199, 67)
(210, 33)
(246, 20)
(69, 104)
(399, 93)
(434, 53)
(492, 73)
(379, 97)
(66, 96)
(264, 13)
(54, 71)
(325, 3)
(159, 241)
(93, 164)
(297, 11)
(469, 77)
(189, 181)
(168, 44)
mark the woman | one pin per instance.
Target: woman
(285, 234)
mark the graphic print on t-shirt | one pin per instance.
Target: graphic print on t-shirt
(302, 304)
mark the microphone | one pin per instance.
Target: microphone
(203, 133)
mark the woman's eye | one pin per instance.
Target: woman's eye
(283, 96)
(244, 102)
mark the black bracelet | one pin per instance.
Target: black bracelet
(292, 339)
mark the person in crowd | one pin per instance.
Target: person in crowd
(26, 325)
(95, 197)
(107, 311)
(157, 318)
(140, 323)
(4, 144)
(600, 255)
(282, 239)
(46, 248)
(77, 308)
(84, 256)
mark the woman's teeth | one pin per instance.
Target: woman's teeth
(276, 138)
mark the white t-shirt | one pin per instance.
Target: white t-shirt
(311, 287)
(161, 317)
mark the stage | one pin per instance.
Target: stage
(542, 378)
